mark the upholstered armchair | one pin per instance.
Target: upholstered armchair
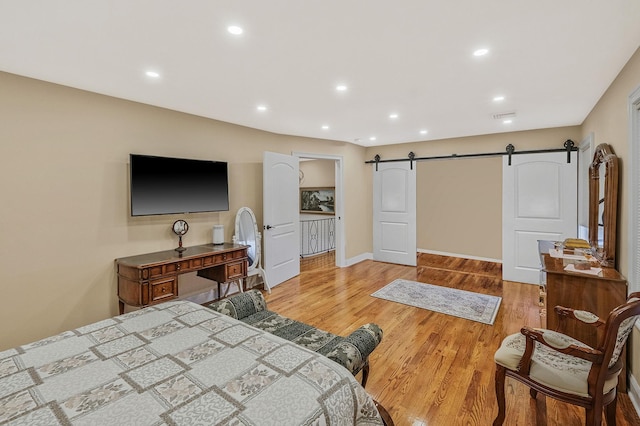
(565, 368)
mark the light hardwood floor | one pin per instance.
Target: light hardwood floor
(430, 369)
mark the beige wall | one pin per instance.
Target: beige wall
(459, 206)
(609, 122)
(64, 184)
(318, 173)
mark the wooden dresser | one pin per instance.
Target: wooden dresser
(596, 294)
(593, 293)
(151, 278)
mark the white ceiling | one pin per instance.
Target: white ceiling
(551, 59)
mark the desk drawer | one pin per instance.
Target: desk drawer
(225, 257)
(171, 268)
(235, 270)
(182, 266)
(162, 289)
(239, 254)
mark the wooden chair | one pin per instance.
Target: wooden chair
(565, 368)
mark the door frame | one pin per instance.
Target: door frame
(585, 148)
(339, 200)
(633, 222)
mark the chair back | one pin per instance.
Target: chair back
(618, 327)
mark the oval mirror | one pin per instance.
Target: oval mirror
(246, 234)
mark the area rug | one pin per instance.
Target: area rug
(464, 304)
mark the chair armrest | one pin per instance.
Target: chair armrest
(353, 352)
(240, 305)
(555, 341)
(584, 317)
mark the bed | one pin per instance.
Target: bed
(176, 363)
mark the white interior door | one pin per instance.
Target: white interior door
(394, 213)
(281, 217)
(539, 202)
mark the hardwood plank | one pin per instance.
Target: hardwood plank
(431, 368)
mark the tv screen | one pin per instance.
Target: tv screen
(162, 185)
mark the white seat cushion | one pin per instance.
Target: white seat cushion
(548, 367)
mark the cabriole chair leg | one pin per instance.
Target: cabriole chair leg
(610, 412)
(500, 379)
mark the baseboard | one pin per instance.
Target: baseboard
(310, 255)
(463, 256)
(634, 393)
(359, 258)
(369, 256)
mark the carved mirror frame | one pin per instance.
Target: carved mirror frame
(603, 205)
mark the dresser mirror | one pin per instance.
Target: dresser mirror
(603, 204)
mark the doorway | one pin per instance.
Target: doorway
(337, 222)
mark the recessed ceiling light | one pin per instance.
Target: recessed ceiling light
(235, 30)
(152, 74)
(261, 107)
(508, 121)
(372, 138)
(480, 52)
(325, 127)
(498, 98)
(424, 132)
(393, 116)
(341, 87)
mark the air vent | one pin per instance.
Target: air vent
(503, 115)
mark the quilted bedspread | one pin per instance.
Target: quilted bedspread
(176, 363)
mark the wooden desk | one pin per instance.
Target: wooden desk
(151, 278)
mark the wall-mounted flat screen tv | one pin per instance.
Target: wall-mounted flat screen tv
(163, 185)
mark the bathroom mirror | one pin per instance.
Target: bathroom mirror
(603, 204)
(246, 233)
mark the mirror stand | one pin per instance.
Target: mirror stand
(246, 233)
